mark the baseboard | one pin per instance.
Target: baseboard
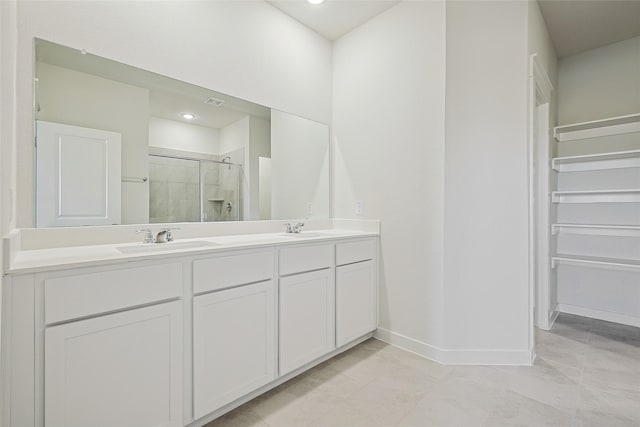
(553, 316)
(409, 344)
(456, 357)
(599, 314)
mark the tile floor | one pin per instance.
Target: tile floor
(587, 373)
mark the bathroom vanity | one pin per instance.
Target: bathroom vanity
(175, 335)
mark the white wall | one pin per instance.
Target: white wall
(8, 53)
(247, 49)
(234, 136)
(8, 42)
(540, 42)
(486, 195)
(181, 136)
(259, 146)
(299, 167)
(388, 151)
(446, 172)
(115, 107)
(264, 185)
(600, 83)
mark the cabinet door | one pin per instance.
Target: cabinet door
(233, 343)
(355, 301)
(124, 369)
(307, 318)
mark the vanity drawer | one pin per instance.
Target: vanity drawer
(225, 271)
(90, 294)
(299, 259)
(350, 252)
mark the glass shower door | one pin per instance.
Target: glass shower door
(191, 190)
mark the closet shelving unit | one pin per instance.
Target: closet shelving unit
(597, 196)
(615, 160)
(597, 229)
(613, 291)
(612, 263)
(596, 128)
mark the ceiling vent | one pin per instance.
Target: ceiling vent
(214, 101)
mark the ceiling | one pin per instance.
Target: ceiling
(333, 18)
(574, 25)
(579, 25)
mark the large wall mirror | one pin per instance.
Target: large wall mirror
(119, 145)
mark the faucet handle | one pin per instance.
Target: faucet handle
(288, 227)
(148, 236)
(169, 235)
(298, 227)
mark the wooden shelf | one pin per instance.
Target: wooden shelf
(615, 160)
(597, 229)
(588, 261)
(631, 195)
(598, 128)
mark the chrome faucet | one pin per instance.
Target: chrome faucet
(148, 235)
(165, 236)
(293, 228)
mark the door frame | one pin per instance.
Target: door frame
(540, 96)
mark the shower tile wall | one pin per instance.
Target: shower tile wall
(213, 200)
(174, 190)
(230, 189)
(233, 184)
(220, 192)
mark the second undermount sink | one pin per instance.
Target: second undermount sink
(161, 247)
(304, 234)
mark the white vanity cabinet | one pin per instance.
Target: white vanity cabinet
(234, 331)
(108, 361)
(356, 290)
(122, 369)
(307, 305)
(179, 339)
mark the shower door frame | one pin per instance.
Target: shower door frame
(199, 157)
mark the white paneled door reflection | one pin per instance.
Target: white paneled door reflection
(78, 176)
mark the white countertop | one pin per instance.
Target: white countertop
(38, 260)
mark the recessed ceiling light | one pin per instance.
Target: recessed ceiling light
(315, 1)
(188, 116)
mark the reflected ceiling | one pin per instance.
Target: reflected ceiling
(168, 98)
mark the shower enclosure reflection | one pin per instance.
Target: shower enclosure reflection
(190, 190)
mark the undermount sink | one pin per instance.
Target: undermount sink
(160, 247)
(304, 234)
